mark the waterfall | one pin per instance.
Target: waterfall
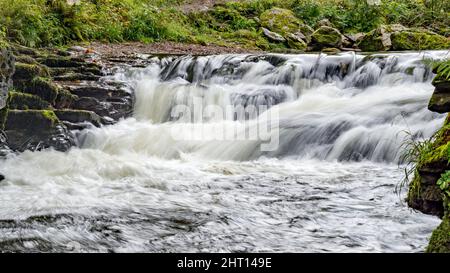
(346, 107)
(232, 153)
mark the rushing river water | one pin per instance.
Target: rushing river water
(148, 184)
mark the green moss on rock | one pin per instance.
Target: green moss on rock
(24, 101)
(26, 72)
(326, 37)
(440, 239)
(375, 40)
(284, 21)
(418, 40)
(44, 88)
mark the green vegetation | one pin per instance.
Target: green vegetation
(440, 239)
(418, 153)
(54, 22)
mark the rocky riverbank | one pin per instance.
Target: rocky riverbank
(53, 93)
(429, 191)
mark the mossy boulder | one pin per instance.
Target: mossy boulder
(24, 101)
(273, 36)
(296, 42)
(376, 40)
(35, 130)
(418, 40)
(440, 239)
(327, 37)
(284, 22)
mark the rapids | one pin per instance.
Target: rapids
(320, 177)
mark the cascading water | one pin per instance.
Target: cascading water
(149, 183)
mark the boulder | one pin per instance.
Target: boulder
(418, 40)
(439, 102)
(376, 40)
(283, 22)
(326, 37)
(35, 130)
(273, 36)
(295, 41)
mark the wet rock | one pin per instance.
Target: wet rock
(326, 37)
(35, 130)
(273, 36)
(99, 92)
(439, 102)
(79, 116)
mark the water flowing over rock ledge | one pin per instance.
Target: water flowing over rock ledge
(56, 95)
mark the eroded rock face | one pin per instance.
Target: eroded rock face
(55, 93)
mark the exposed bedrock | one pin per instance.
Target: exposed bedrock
(53, 93)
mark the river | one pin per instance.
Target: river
(311, 164)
